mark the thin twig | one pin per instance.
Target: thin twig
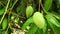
(2, 4)
(16, 14)
(44, 9)
(39, 5)
(14, 4)
(5, 12)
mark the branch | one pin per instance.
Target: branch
(5, 12)
(14, 4)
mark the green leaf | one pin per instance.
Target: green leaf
(54, 28)
(4, 23)
(45, 28)
(47, 4)
(6, 32)
(27, 23)
(29, 11)
(52, 20)
(48, 32)
(58, 1)
(32, 29)
(39, 31)
(3, 32)
(2, 11)
(56, 15)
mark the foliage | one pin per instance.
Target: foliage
(42, 16)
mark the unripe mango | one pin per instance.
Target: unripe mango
(29, 11)
(39, 20)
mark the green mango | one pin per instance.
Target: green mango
(39, 20)
(29, 11)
